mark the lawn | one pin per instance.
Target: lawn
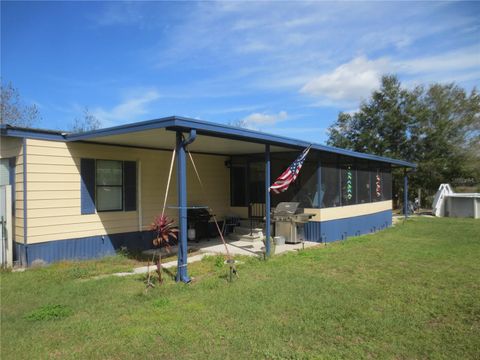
(412, 291)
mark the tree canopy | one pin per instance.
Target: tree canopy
(86, 122)
(435, 126)
(13, 110)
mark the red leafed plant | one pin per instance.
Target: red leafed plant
(165, 232)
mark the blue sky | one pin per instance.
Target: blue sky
(284, 67)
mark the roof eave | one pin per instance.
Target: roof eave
(202, 127)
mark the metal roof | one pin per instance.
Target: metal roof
(176, 123)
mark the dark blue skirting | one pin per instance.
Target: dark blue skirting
(83, 248)
(340, 229)
(102, 245)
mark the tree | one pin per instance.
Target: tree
(87, 122)
(13, 110)
(436, 127)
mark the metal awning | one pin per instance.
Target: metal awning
(212, 138)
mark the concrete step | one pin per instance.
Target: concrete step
(247, 238)
(246, 230)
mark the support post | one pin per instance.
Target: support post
(182, 274)
(267, 200)
(319, 184)
(405, 194)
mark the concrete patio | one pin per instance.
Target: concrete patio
(216, 247)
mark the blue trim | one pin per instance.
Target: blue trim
(14, 131)
(124, 129)
(24, 258)
(267, 200)
(341, 229)
(182, 274)
(87, 186)
(177, 123)
(91, 247)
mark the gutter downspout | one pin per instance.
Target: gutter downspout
(182, 274)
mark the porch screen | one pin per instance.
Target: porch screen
(238, 186)
(330, 185)
(376, 183)
(363, 182)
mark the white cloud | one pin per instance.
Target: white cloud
(353, 81)
(260, 119)
(349, 82)
(462, 59)
(128, 110)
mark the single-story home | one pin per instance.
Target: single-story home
(84, 195)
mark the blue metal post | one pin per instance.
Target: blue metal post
(319, 184)
(182, 274)
(405, 194)
(267, 200)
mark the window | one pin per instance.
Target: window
(109, 185)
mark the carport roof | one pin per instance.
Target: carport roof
(229, 140)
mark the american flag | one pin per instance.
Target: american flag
(289, 175)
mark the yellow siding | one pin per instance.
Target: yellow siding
(342, 212)
(53, 189)
(333, 213)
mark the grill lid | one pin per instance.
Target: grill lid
(286, 208)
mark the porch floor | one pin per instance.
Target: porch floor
(238, 247)
(215, 247)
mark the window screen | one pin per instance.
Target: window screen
(387, 183)
(109, 185)
(363, 183)
(238, 185)
(330, 185)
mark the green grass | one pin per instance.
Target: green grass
(412, 291)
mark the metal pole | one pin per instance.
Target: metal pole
(267, 199)
(405, 194)
(319, 183)
(182, 274)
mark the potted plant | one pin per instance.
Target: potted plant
(165, 231)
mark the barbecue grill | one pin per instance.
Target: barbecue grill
(290, 221)
(198, 219)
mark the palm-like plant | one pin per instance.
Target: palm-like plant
(165, 231)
